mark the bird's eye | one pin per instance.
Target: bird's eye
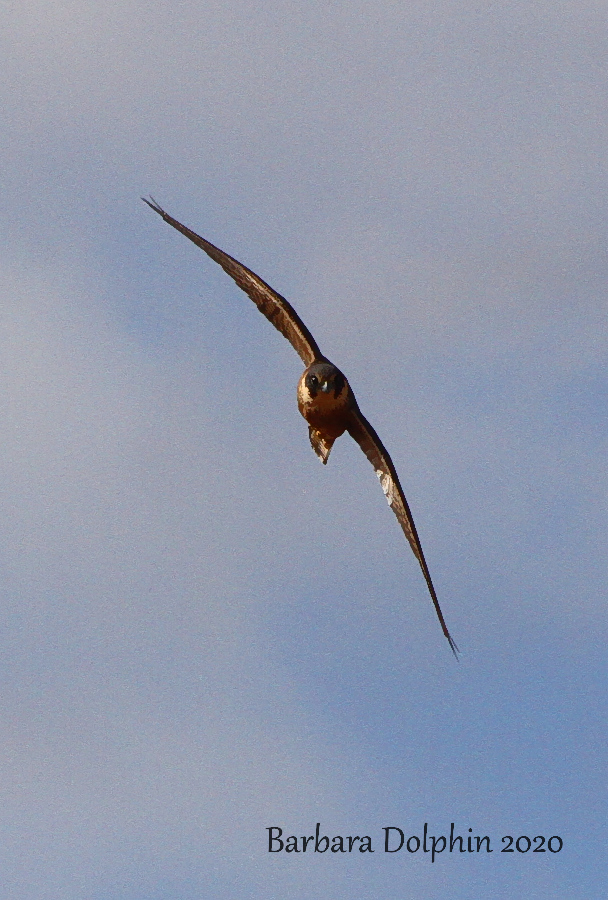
(314, 380)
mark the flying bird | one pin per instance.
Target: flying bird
(325, 398)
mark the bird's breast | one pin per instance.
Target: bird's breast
(323, 410)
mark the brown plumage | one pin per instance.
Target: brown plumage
(325, 398)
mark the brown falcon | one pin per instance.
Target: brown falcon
(325, 398)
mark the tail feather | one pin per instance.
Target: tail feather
(320, 444)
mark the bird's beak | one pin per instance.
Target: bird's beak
(325, 387)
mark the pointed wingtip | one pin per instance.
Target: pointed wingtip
(154, 205)
(453, 645)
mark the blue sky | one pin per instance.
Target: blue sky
(206, 633)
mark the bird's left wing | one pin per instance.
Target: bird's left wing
(276, 308)
(360, 429)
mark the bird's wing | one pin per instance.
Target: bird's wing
(276, 308)
(360, 429)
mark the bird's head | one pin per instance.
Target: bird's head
(325, 378)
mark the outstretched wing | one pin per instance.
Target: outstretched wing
(360, 429)
(276, 308)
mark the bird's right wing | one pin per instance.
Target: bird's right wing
(360, 429)
(276, 308)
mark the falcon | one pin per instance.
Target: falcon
(325, 398)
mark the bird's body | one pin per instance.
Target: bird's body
(327, 403)
(325, 398)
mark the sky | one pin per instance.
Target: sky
(204, 633)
